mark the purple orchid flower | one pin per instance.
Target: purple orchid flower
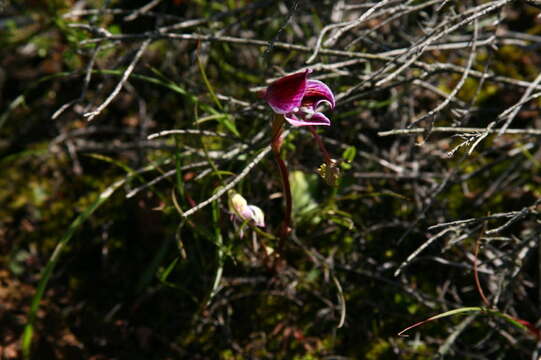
(298, 98)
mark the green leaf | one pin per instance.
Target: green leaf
(302, 189)
(47, 272)
(208, 84)
(165, 273)
(349, 153)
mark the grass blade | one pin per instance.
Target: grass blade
(46, 274)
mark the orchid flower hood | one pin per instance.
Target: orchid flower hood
(298, 98)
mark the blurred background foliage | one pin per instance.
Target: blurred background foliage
(137, 281)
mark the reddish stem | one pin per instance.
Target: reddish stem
(276, 144)
(321, 145)
(476, 272)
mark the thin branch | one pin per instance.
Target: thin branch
(231, 184)
(459, 85)
(138, 12)
(435, 67)
(88, 76)
(438, 33)
(167, 174)
(345, 27)
(187, 131)
(525, 96)
(510, 214)
(91, 115)
(426, 244)
(458, 130)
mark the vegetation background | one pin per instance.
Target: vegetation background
(99, 259)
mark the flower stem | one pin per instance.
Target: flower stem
(276, 144)
(321, 145)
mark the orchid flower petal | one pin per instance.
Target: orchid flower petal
(246, 213)
(258, 216)
(317, 92)
(286, 94)
(317, 118)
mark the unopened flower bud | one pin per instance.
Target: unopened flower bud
(239, 206)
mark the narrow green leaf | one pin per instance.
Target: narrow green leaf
(15, 103)
(46, 273)
(165, 273)
(229, 125)
(208, 84)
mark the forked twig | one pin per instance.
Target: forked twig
(91, 115)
